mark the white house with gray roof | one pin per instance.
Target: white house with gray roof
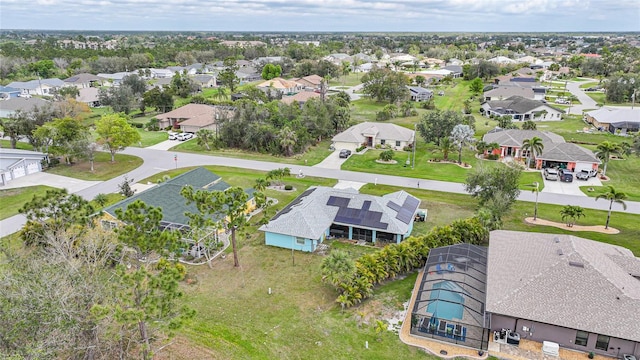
(321, 212)
(16, 163)
(582, 294)
(38, 86)
(615, 120)
(521, 109)
(371, 134)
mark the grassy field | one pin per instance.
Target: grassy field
(149, 138)
(312, 156)
(13, 199)
(104, 169)
(19, 145)
(352, 79)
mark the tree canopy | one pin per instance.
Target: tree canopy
(436, 125)
(115, 133)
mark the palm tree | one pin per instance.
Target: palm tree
(534, 146)
(446, 145)
(337, 268)
(204, 138)
(287, 139)
(614, 197)
(261, 184)
(570, 213)
(604, 152)
(221, 94)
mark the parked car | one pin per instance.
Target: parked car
(565, 175)
(562, 101)
(586, 174)
(173, 136)
(184, 136)
(345, 153)
(550, 174)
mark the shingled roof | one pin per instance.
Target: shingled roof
(568, 152)
(565, 281)
(518, 104)
(167, 195)
(515, 137)
(385, 131)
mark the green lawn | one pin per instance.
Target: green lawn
(19, 145)
(589, 84)
(13, 199)
(149, 138)
(312, 156)
(104, 169)
(623, 175)
(352, 79)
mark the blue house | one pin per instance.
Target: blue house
(323, 212)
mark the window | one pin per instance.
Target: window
(581, 338)
(602, 343)
(300, 241)
(397, 142)
(382, 141)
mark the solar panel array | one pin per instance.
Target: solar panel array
(354, 216)
(406, 211)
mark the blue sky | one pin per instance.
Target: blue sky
(324, 15)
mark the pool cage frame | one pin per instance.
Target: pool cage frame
(453, 276)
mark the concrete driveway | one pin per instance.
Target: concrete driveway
(569, 188)
(333, 161)
(53, 180)
(168, 144)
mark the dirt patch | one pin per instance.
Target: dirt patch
(594, 228)
(281, 188)
(463, 165)
(391, 162)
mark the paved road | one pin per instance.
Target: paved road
(586, 102)
(156, 161)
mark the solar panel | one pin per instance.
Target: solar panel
(295, 202)
(366, 205)
(406, 211)
(393, 206)
(338, 201)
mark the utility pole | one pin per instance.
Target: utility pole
(415, 143)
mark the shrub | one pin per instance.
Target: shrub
(362, 147)
(383, 115)
(288, 187)
(386, 155)
(493, 156)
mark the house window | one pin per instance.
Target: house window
(397, 142)
(300, 241)
(382, 141)
(581, 338)
(602, 343)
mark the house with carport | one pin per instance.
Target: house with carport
(323, 212)
(371, 134)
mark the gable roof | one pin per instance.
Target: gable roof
(34, 84)
(518, 104)
(568, 152)
(6, 89)
(592, 286)
(190, 111)
(355, 134)
(312, 80)
(313, 212)
(515, 137)
(167, 195)
(419, 90)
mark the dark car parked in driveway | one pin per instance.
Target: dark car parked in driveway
(565, 175)
(345, 153)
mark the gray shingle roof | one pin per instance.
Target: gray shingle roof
(519, 104)
(34, 84)
(385, 131)
(568, 152)
(528, 279)
(309, 215)
(23, 104)
(508, 91)
(82, 78)
(515, 137)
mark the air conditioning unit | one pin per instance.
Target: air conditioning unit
(525, 329)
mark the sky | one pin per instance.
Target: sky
(324, 15)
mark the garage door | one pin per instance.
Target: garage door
(345, 145)
(18, 172)
(33, 168)
(583, 166)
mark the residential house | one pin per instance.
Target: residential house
(456, 70)
(311, 82)
(84, 80)
(89, 96)
(15, 163)
(455, 62)
(42, 87)
(168, 198)
(280, 85)
(505, 92)
(556, 152)
(11, 106)
(521, 109)
(205, 81)
(9, 93)
(116, 78)
(321, 212)
(242, 43)
(419, 93)
(615, 120)
(502, 60)
(338, 58)
(193, 117)
(371, 134)
(581, 294)
(160, 73)
(301, 97)
(248, 74)
(364, 68)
